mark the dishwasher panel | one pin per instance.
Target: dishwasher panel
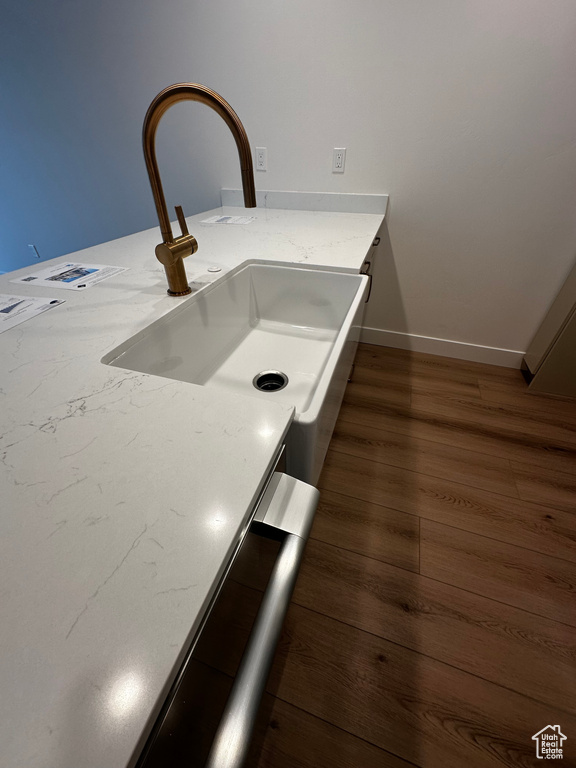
(211, 715)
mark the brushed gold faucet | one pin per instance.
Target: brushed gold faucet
(173, 249)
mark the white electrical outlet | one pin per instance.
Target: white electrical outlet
(338, 159)
(261, 159)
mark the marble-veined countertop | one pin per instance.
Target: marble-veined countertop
(124, 495)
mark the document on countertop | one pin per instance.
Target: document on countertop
(228, 220)
(17, 309)
(75, 277)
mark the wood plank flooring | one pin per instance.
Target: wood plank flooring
(434, 619)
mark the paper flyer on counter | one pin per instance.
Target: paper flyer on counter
(75, 277)
(229, 220)
(17, 309)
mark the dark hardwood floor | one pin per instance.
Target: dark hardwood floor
(434, 619)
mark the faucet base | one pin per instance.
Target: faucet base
(176, 276)
(179, 293)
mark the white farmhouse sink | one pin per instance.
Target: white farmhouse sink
(263, 316)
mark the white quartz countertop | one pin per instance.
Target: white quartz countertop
(124, 495)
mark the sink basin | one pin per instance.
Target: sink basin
(297, 326)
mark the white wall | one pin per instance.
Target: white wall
(463, 111)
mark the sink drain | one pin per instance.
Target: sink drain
(270, 381)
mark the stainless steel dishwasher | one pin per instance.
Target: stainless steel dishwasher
(210, 714)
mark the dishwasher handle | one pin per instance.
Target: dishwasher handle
(291, 508)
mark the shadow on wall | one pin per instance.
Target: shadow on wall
(73, 174)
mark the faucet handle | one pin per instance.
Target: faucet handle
(187, 242)
(181, 220)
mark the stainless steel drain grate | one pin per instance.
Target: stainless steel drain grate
(270, 381)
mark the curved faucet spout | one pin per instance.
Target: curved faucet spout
(173, 249)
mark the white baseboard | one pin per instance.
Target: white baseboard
(507, 358)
